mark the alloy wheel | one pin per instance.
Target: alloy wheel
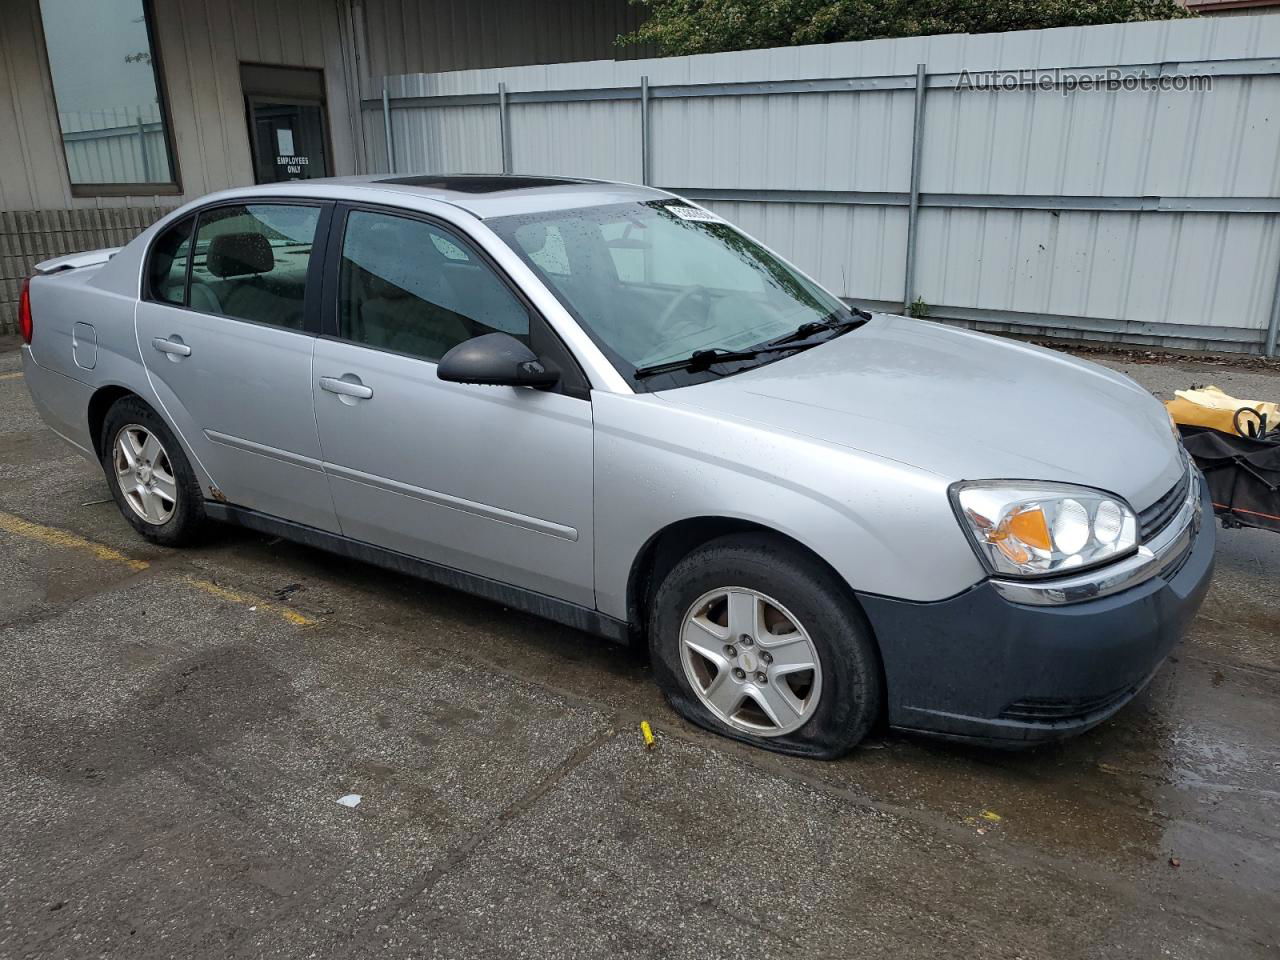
(145, 474)
(750, 661)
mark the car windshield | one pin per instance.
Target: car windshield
(654, 282)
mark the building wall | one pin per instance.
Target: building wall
(200, 45)
(430, 36)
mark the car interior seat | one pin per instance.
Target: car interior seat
(403, 302)
(240, 260)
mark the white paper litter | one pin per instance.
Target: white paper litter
(350, 800)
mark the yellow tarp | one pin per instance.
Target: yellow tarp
(1210, 407)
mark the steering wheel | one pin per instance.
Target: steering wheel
(678, 302)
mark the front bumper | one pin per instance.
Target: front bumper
(981, 667)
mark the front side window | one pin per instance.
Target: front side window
(654, 282)
(251, 262)
(110, 110)
(413, 287)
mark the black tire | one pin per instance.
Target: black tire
(852, 679)
(188, 519)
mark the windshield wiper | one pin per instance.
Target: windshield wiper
(814, 327)
(701, 360)
(797, 339)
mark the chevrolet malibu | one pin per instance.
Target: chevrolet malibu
(603, 404)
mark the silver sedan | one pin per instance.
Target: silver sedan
(604, 404)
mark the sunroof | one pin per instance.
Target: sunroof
(479, 183)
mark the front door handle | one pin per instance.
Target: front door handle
(346, 388)
(175, 348)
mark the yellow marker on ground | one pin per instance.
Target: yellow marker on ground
(647, 733)
(62, 538)
(244, 599)
(53, 537)
(992, 816)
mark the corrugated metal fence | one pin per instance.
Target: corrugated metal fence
(1146, 209)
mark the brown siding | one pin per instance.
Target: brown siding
(428, 36)
(200, 44)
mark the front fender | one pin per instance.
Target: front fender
(885, 527)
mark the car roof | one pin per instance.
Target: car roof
(484, 195)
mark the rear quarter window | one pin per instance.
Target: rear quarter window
(167, 263)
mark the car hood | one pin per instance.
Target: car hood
(962, 405)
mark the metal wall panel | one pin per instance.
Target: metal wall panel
(32, 171)
(463, 138)
(600, 140)
(1040, 208)
(432, 36)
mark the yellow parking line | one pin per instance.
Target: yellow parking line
(61, 538)
(54, 537)
(222, 593)
(10, 376)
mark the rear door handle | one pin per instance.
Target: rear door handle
(346, 388)
(174, 348)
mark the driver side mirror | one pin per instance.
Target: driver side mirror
(496, 360)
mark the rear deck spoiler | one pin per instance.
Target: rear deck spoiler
(73, 261)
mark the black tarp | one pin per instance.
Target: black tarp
(1243, 475)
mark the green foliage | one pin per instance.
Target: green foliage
(918, 308)
(680, 27)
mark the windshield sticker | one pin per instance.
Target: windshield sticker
(694, 213)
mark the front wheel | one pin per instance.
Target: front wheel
(753, 639)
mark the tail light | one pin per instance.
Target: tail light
(24, 311)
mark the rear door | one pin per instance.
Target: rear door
(226, 328)
(495, 481)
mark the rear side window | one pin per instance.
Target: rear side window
(413, 287)
(251, 262)
(167, 270)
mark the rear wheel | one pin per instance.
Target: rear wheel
(755, 640)
(150, 478)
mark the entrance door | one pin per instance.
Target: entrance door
(288, 140)
(288, 131)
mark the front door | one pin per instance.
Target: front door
(227, 347)
(495, 481)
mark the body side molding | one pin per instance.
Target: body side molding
(550, 608)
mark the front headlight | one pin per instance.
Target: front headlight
(1027, 529)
